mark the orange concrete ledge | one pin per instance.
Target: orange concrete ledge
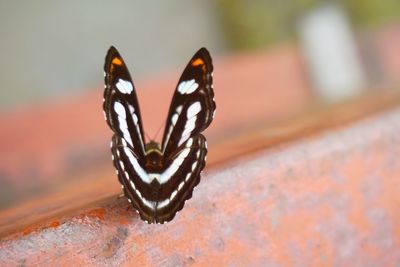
(322, 199)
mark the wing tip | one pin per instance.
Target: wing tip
(112, 49)
(112, 53)
(205, 55)
(203, 51)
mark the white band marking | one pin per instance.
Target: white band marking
(163, 203)
(136, 166)
(193, 110)
(187, 87)
(124, 87)
(123, 126)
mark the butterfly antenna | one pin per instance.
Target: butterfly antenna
(147, 136)
(158, 131)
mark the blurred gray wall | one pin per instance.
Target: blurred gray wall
(49, 48)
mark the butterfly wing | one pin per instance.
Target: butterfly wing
(133, 178)
(121, 108)
(159, 196)
(192, 108)
(180, 177)
(175, 184)
(184, 147)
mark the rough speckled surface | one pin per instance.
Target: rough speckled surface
(330, 199)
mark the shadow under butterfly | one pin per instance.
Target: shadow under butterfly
(157, 178)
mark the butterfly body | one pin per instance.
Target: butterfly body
(158, 178)
(154, 161)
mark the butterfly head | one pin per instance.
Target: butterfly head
(153, 157)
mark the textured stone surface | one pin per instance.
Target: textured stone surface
(326, 199)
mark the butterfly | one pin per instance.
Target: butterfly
(157, 179)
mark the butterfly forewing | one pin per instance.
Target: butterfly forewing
(193, 106)
(120, 105)
(159, 193)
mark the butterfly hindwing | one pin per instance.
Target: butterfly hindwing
(132, 177)
(120, 105)
(193, 106)
(185, 168)
(177, 181)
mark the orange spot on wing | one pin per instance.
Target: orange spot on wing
(117, 61)
(197, 62)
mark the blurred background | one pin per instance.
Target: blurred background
(272, 59)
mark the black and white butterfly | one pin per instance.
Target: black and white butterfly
(156, 179)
